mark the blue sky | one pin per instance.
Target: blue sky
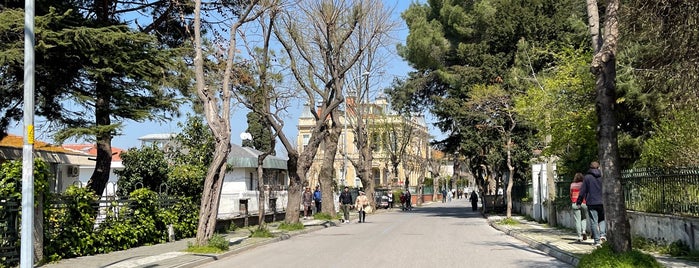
(133, 130)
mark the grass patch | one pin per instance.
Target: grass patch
(322, 216)
(261, 233)
(676, 249)
(216, 244)
(604, 257)
(508, 221)
(290, 226)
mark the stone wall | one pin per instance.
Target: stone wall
(657, 227)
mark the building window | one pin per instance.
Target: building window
(251, 181)
(306, 137)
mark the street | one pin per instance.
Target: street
(436, 235)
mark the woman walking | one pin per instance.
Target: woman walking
(580, 226)
(362, 205)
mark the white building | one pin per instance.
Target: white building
(240, 186)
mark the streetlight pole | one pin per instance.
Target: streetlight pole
(27, 237)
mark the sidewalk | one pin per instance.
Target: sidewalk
(173, 255)
(560, 243)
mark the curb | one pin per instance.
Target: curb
(551, 251)
(207, 258)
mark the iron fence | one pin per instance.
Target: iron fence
(9, 231)
(665, 191)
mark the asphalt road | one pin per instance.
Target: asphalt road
(438, 235)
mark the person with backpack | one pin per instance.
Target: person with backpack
(578, 212)
(591, 192)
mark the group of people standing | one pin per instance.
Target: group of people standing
(309, 199)
(586, 196)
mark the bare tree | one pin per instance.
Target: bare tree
(604, 44)
(415, 164)
(319, 38)
(434, 166)
(216, 101)
(394, 133)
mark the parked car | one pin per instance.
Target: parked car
(382, 198)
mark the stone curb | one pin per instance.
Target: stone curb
(207, 258)
(554, 252)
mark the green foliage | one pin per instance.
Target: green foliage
(186, 180)
(141, 220)
(183, 215)
(291, 226)
(261, 233)
(219, 241)
(674, 141)
(261, 132)
(11, 179)
(557, 104)
(70, 226)
(604, 257)
(322, 216)
(677, 248)
(216, 244)
(196, 143)
(508, 221)
(143, 168)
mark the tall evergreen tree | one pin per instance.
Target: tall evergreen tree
(93, 72)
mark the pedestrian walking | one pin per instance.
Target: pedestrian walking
(317, 197)
(363, 206)
(307, 200)
(591, 192)
(390, 200)
(345, 204)
(444, 195)
(474, 200)
(579, 211)
(408, 200)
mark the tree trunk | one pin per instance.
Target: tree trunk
(261, 200)
(510, 178)
(103, 162)
(551, 189)
(604, 67)
(212, 192)
(294, 191)
(327, 169)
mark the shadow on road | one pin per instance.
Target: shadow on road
(455, 209)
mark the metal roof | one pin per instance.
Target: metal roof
(246, 157)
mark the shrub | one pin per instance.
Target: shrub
(219, 241)
(69, 230)
(677, 248)
(604, 257)
(260, 233)
(508, 221)
(291, 226)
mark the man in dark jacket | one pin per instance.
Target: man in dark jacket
(591, 191)
(345, 203)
